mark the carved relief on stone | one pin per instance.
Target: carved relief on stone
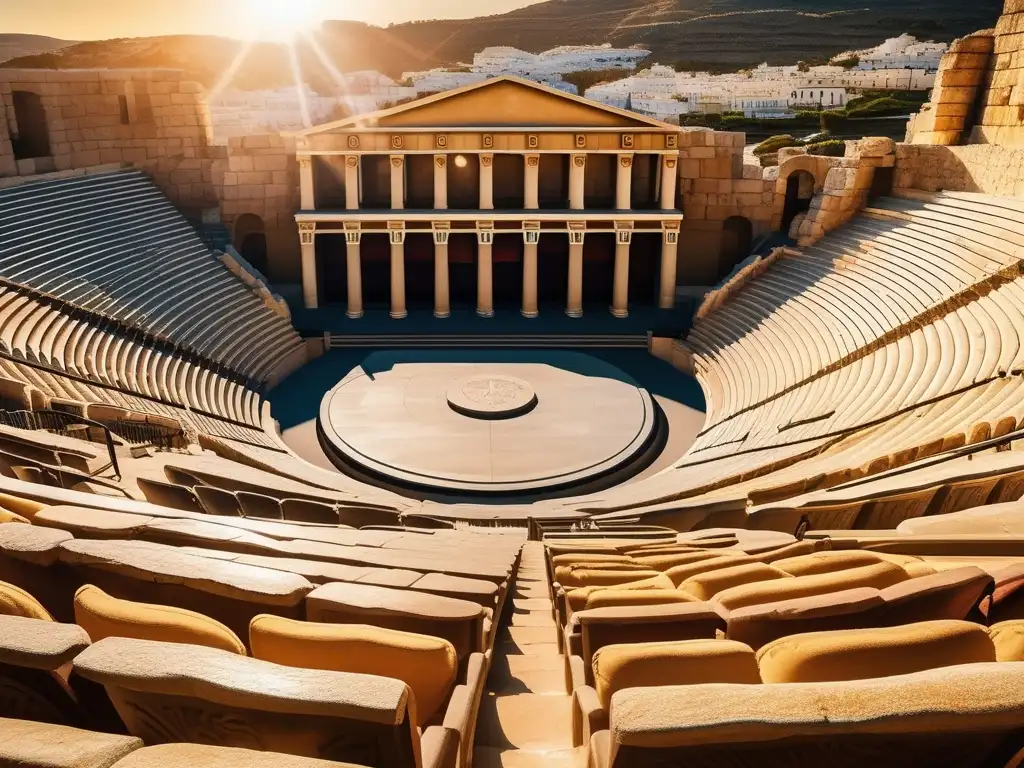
(353, 142)
(670, 162)
(351, 161)
(533, 161)
(486, 160)
(305, 163)
(532, 141)
(626, 161)
(157, 722)
(579, 161)
(397, 162)
(627, 141)
(441, 141)
(307, 231)
(581, 141)
(441, 161)
(671, 141)
(488, 141)
(20, 701)
(397, 142)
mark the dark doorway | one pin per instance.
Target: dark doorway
(250, 241)
(332, 266)
(509, 182)
(33, 139)
(598, 268)
(599, 181)
(329, 182)
(644, 182)
(508, 270)
(882, 182)
(419, 270)
(553, 270)
(375, 254)
(799, 193)
(737, 236)
(419, 181)
(644, 267)
(376, 181)
(462, 269)
(464, 182)
(553, 182)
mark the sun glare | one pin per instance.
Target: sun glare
(282, 20)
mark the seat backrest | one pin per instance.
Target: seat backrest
(217, 501)
(102, 616)
(662, 561)
(1008, 597)
(827, 561)
(857, 654)
(607, 598)
(169, 692)
(677, 662)
(758, 625)
(428, 665)
(953, 594)
(879, 576)
(29, 744)
(577, 598)
(970, 716)
(574, 577)
(460, 622)
(1008, 639)
(680, 573)
(706, 585)
(15, 601)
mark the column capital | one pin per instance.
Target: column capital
(626, 159)
(670, 230)
(396, 232)
(441, 231)
(305, 162)
(485, 232)
(532, 160)
(397, 161)
(486, 159)
(531, 232)
(353, 232)
(307, 232)
(624, 232)
(441, 160)
(579, 159)
(577, 231)
(352, 161)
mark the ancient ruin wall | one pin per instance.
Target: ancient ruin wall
(985, 168)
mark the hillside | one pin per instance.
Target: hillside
(719, 34)
(12, 46)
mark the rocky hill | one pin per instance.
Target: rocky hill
(12, 46)
(718, 34)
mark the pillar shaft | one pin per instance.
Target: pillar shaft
(624, 183)
(530, 308)
(440, 182)
(669, 171)
(309, 277)
(574, 306)
(354, 267)
(307, 194)
(398, 310)
(486, 182)
(577, 181)
(667, 290)
(442, 299)
(484, 281)
(620, 288)
(531, 183)
(352, 182)
(397, 182)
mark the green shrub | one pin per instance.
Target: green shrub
(775, 143)
(829, 148)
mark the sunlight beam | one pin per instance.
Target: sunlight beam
(229, 74)
(300, 85)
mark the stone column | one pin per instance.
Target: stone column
(442, 291)
(307, 196)
(486, 182)
(398, 310)
(397, 182)
(485, 270)
(624, 183)
(669, 173)
(531, 179)
(577, 180)
(620, 287)
(352, 182)
(307, 240)
(669, 249)
(574, 305)
(531, 238)
(354, 270)
(441, 182)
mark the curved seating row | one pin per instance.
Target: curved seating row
(113, 245)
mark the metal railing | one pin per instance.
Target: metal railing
(61, 423)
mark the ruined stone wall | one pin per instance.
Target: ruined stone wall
(985, 168)
(154, 120)
(715, 185)
(260, 176)
(1002, 119)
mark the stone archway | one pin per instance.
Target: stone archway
(800, 186)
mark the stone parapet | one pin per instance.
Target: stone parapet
(983, 168)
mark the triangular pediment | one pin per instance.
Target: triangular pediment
(500, 102)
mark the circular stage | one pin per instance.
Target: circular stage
(485, 427)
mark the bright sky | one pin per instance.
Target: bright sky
(101, 19)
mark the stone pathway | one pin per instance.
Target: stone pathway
(525, 719)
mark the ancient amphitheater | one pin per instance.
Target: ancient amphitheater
(419, 439)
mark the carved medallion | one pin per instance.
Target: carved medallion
(396, 162)
(397, 142)
(627, 141)
(353, 142)
(579, 160)
(441, 141)
(351, 161)
(491, 397)
(441, 161)
(532, 141)
(627, 162)
(581, 141)
(305, 163)
(670, 162)
(486, 160)
(533, 161)
(488, 141)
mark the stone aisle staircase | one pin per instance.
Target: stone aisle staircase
(525, 719)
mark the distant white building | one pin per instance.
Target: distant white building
(903, 52)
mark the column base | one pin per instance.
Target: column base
(670, 304)
(619, 312)
(574, 312)
(485, 312)
(354, 315)
(441, 315)
(529, 313)
(398, 315)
